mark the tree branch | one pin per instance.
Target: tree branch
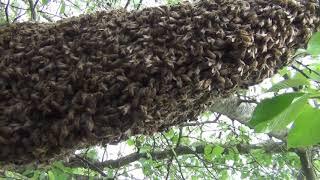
(205, 165)
(139, 4)
(173, 151)
(127, 4)
(306, 164)
(7, 12)
(307, 67)
(269, 147)
(241, 112)
(197, 123)
(303, 73)
(32, 7)
(91, 166)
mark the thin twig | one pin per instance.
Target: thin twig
(303, 73)
(50, 14)
(35, 4)
(307, 67)
(256, 161)
(253, 101)
(127, 4)
(197, 123)
(16, 7)
(205, 165)
(116, 173)
(33, 13)
(19, 16)
(139, 5)
(104, 152)
(44, 15)
(73, 4)
(168, 167)
(125, 171)
(174, 155)
(7, 11)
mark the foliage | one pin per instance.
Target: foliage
(314, 45)
(293, 110)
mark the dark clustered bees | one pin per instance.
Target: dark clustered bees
(103, 77)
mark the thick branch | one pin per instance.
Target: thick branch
(306, 164)
(270, 147)
(91, 166)
(234, 108)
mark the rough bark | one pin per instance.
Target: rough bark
(102, 77)
(306, 164)
(270, 147)
(235, 109)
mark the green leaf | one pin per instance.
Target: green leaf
(207, 149)
(208, 155)
(300, 51)
(14, 175)
(136, 3)
(43, 176)
(83, 171)
(270, 108)
(169, 134)
(185, 140)
(51, 175)
(289, 83)
(145, 149)
(224, 175)
(32, 174)
(314, 74)
(36, 175)
(218, 150)
(175, 138)
(57, 174)
(194, 177)
(146, 168)
(305, 131)
(314, 44)
(284, 71)
(289, 114)
(45, 2)
(244, 174)
(92, 154)
(62, 7)
(130, 142)
(317, 163)
(59, 165)
(110, 172)
(172, 2)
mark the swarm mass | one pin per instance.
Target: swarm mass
(102, 77)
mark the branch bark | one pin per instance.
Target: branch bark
(32, 9)
(7, 12)
(236, 109)
(306, 164)
(270, 147)
(90, 165)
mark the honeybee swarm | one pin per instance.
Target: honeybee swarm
(102, 77)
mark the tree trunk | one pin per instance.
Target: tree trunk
(102, 77)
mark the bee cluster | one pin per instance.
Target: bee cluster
(109, 75)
